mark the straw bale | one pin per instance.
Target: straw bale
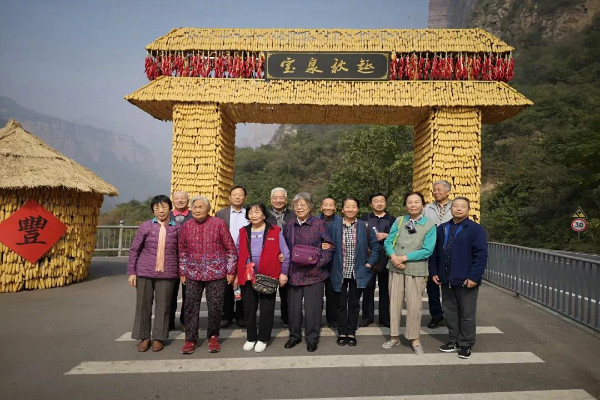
(317, 102)
(27, 162)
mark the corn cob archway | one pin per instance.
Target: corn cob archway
(445, 83)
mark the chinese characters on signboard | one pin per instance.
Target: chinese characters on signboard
(328, 66)
(31, 231)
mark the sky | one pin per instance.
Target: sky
(76, 60)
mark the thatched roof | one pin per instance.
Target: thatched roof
(312, 40)
(27, 162)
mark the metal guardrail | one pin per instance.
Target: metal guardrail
(115, 239)
(566, 284)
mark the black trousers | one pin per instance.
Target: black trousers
(435, 304)
(332, 299)
(173, 309)
(368, 303)
(460, 308)
(349, 307)
(313, 309)
(231, 307)
(252, 301)
(283, 298)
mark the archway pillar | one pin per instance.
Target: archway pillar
(447, 146)
(203, 151)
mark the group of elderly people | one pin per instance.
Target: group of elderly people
(302, 255)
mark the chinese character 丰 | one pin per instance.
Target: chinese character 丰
(31, 226)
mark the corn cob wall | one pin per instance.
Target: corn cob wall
(448, 146)
(203, 151)
(68, 261)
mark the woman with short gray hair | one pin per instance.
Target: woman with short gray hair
(305, 236)
(207, 260)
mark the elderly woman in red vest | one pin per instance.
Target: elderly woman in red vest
(260, 246)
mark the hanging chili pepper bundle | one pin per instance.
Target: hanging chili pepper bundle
(426, 68)
(178, 64)
(486, 71)
(449, 68)
(393, 69)
(420, 67)
(499, 69)
(510, 69)
(261, 66)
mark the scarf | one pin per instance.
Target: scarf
(278, 216)
(410, 224)
(162, 240)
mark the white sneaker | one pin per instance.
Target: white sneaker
(260, 347)
(248, 346)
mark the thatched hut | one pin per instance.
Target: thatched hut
(31, 170)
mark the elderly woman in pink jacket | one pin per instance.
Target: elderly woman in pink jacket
(153, 269)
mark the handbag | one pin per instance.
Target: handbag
(303, 254)
(265, 284)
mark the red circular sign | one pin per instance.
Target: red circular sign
(579, 225)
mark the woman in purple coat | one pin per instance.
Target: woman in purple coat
(153, 269)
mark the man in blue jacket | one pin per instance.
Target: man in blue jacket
(457, 265)
(328, 215)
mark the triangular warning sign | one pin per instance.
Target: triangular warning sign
(578, 213)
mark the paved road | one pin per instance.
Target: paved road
(586, 256)
(72, 343)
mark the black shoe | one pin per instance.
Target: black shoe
(225, 323)
(464, 352)
(291, 343)
(351, 341)
(365, 322)
(311, 347)
(240, 323)
(341, 341)
(435, 322)
(449, 347)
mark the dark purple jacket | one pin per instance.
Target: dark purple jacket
(313, 233)
(142, 254)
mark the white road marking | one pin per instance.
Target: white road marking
(297, 362)
(573, 394)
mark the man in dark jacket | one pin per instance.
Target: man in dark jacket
(457, 265)
(328, 215)
(180, 214)
(279, 215)
(380, 222)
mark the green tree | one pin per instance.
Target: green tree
(374, 159)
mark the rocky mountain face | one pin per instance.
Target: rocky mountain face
(450, 13)
(516, 21)
(526, 20)
(117, 158)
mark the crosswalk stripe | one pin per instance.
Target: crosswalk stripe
(325, 332)
(573, 394)
(297, 362)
